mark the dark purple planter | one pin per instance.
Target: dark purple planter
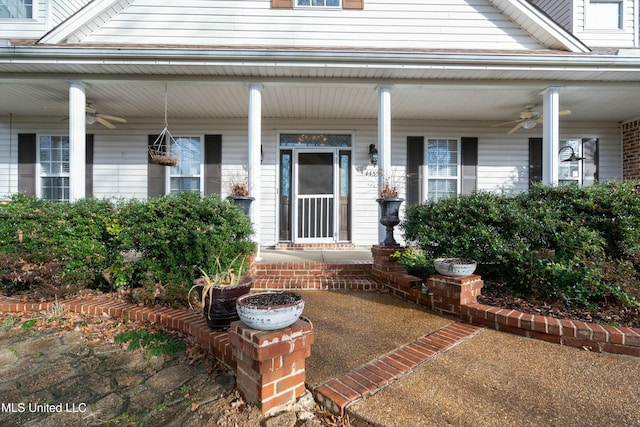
(389, 217)
(222, 310)
(243, 202)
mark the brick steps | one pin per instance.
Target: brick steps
(353, 275)
(337, 394)
(317, 283)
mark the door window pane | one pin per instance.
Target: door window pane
(315, 173)
(315, 140)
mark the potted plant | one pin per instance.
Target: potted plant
(220, 289)
(455, 267)
(389, 203)
(239, 194)
(270, 310)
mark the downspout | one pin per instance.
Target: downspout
(10, 150)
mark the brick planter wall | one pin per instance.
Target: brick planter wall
(631, 150)
(270, 365)
(458, 296)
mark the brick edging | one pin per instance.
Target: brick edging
(572, 333)
(338, 393)
(188, 322)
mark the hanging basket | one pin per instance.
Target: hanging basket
(160, 147)
(160, 150)
(159, 157)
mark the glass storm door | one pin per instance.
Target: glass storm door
(315, 197)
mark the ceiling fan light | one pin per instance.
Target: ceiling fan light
(529, 123)
(90, 119)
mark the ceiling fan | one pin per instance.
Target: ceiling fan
(528, 119)
(104, 119)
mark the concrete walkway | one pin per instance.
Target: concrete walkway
(487, 378)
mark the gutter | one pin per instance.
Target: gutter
(277, 56)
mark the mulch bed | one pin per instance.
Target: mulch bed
(612, 313)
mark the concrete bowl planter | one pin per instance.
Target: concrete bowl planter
(455, 267)
(269, 311)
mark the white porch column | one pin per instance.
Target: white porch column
(77, 141)
(550, 135)
(255, 144)
(384, 142)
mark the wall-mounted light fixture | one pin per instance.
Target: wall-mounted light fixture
(373, 154)
(573, 157)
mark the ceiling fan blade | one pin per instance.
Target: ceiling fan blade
(515, 128)
(105, 123)
(505, 123)
(89, 109)
(526, 114)
(112, 118)
(564, 112)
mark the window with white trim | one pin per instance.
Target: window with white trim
(570, 172)
(187, 174)
(16, 9)
(319, 3)
(604, 15)
(442, 168)
(53, 161)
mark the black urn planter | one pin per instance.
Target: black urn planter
(389, 217)
(243, 202)
(220, 311)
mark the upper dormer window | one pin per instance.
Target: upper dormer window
(16, 9)
(604, 15)
(318, 3)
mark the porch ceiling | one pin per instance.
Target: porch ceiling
(302, 84)
(443, 101)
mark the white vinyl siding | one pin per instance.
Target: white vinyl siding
(452, 24)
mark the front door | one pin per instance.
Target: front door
(314, 195)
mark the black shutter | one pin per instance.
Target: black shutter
(27, 163)
(156, 174)
(535, 161)
(415, 159)
(469, 157)
(89, 167)
(212, 164)
(591, 165)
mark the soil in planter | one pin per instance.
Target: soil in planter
(270, 300)
(456, 261)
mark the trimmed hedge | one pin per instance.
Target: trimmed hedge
(59, 248)
(574, 243)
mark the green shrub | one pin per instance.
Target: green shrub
(589, 233)
(176, 235)
(59, 246)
